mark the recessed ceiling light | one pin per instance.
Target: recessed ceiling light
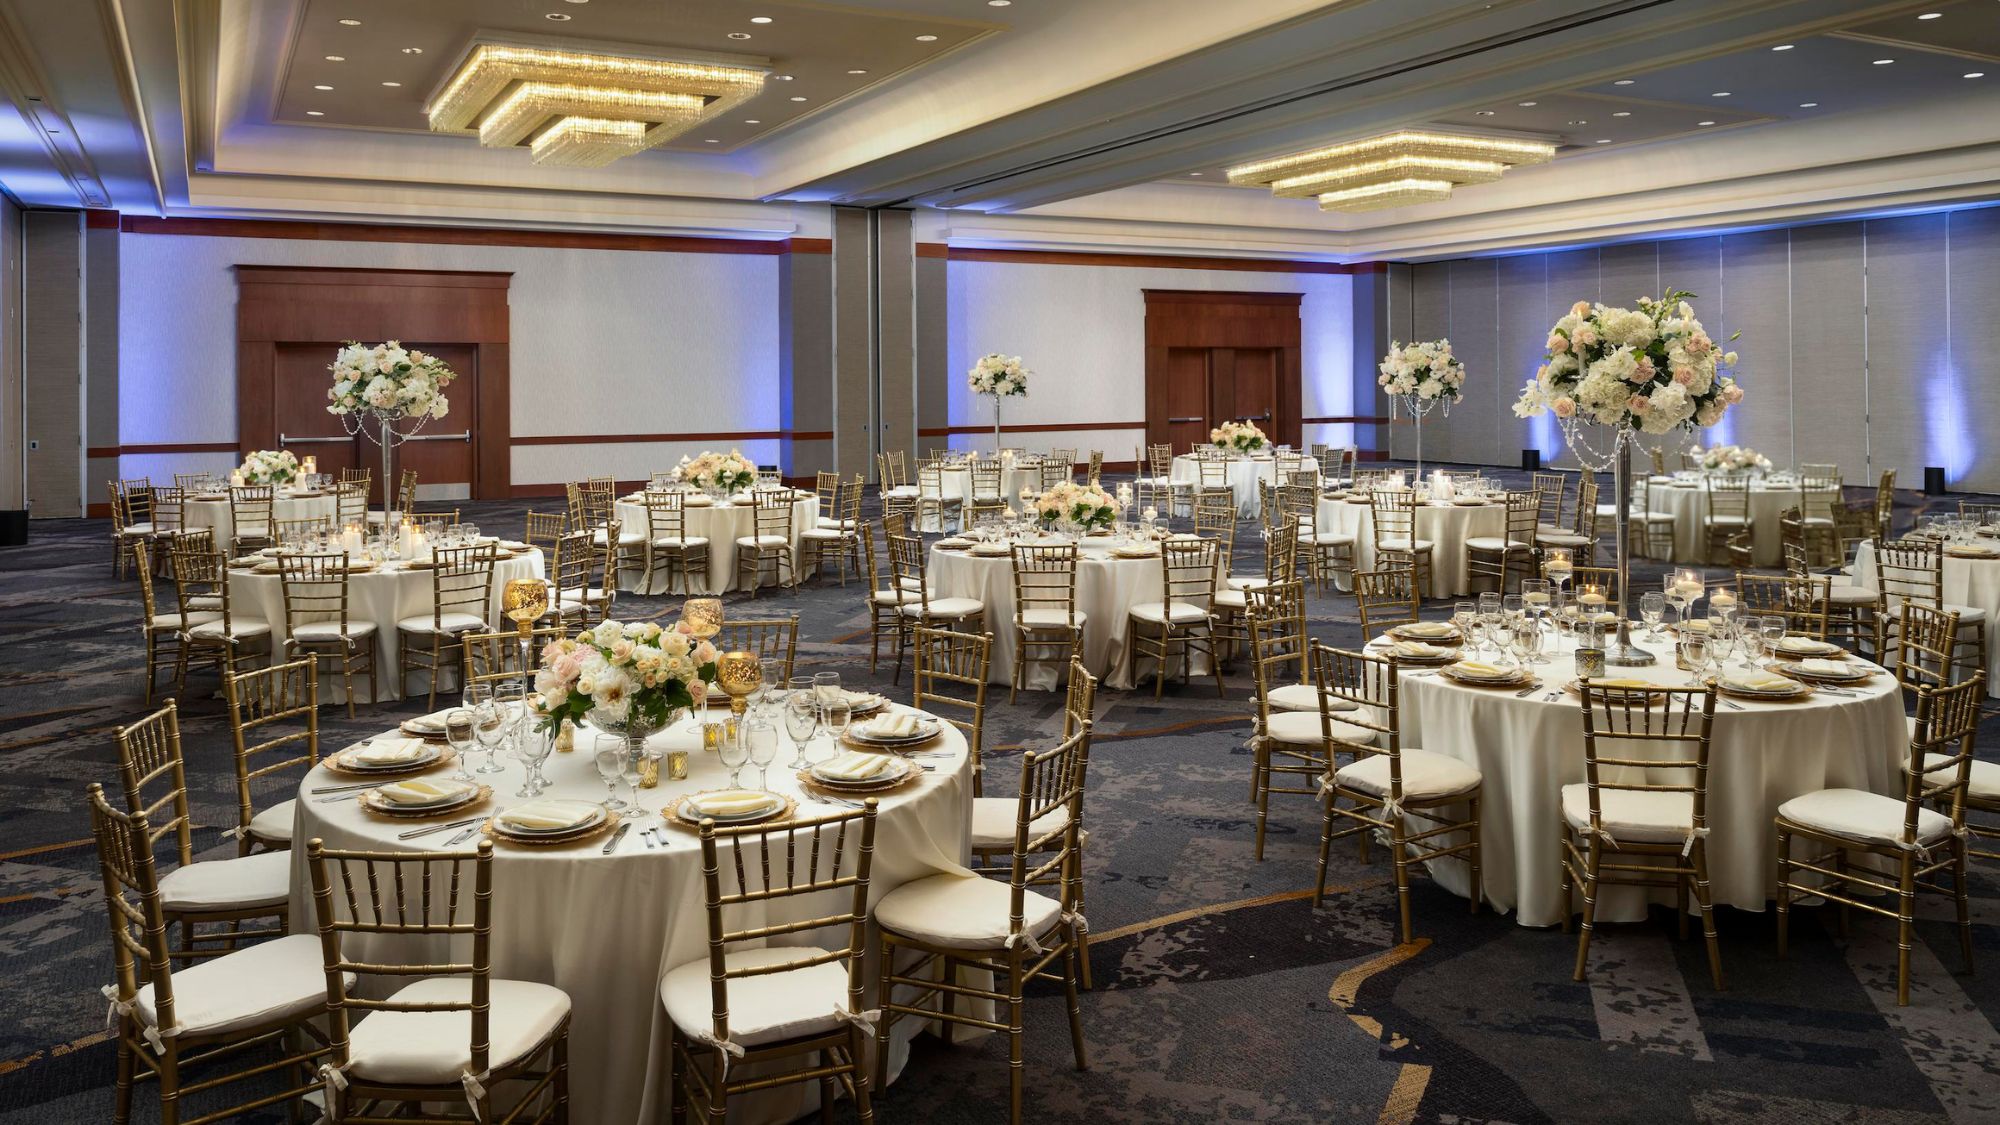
(1883, 62)
(1194, 173)
(1482, 113)
(1008, 4)
(1782, 47)
(781, 78)
(322, 87)
(1527, 105)
(710, 141)
(1930, 15)
(1704, 122)
(753, 121)
(315, 113)
(1623, 82)
(1604, 140)
(857, 72)
(739, 35)
(760, 19)
(1720, 94)
(926, 38)
(1579, 123)
(1976, 74)
(579, 1)
(559, 17)
(1807, 105)
(1623, 113)
(392, 83)
(413, 50)
(336, 58)
(798, 99)
(350, 23)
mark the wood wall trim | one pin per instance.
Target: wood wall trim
(627, 439)
(468, 236)
(347, 276)
(1222, 297)
(1028, 428)
(164, 447)
(1130, 261)
(100, 219)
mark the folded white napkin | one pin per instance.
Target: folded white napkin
(1758, 681)
(1620, 684)
(855, 766)
(423, 791)
(388, 752)
(732, 802)
(954, 541)
(1480, 670)
(1416, 649)
(432, 722)
(547, 816)
(1429, 629)
(1825, 667)
(863, 700)
(1801, 644)
(900, 725)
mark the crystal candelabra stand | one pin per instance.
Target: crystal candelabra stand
(384, 434)
(1418, 407)
(1619, 652)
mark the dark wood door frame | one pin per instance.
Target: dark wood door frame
(1204, 318)
(315, 305)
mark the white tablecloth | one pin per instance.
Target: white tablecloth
(1244, 473)
(382, 596)
(1106, 590)
(1689, 505)
(1447, 526)
(721, 524)
(607, 928)
(1760, 757)
(196, 514)
(1967, 582)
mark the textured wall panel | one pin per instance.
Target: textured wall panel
(1974, 238)
(1757, 302)
(1526, 310)
(1472, 432)
(52, 311)
(1917, 420)
(1629, 271)
(1829, 400)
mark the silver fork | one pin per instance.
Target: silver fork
(469, 832)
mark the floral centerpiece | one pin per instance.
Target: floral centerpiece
(719, 472)
(1732, 459)
(998, 376)
(1243, 437)
(1085, 505)
(1424, 370)
(389, 385)
(269, 466)
(626, 678)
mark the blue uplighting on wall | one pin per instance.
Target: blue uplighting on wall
(1947, 434)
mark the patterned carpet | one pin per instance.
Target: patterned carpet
(1221, 993)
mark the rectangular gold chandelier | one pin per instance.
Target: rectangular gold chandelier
(581, 109)
(1404, 167)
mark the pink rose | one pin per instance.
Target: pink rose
(1581, 308)
(1684, 376)
(1638, 404)
(698, 691)
(1732, 394)
(1586, 336)
(1698, 345)
(1558, 342)
(1564, 406)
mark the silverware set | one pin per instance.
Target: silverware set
(433, 829)
(617, 837)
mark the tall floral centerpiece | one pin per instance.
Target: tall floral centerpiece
(1651, 370)
(1243, 437)
(719, 473)
(998, 376)
(387, 392)
(269, 466)
(1421, 376)
(627, 679)
(1083, 506)
(1731, 459)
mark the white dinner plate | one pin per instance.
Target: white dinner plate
(687, 811)
(589, 813)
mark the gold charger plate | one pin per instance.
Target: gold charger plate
(788, 807)
(1725, 690)
(1833, 653)
(1797, 672)
(1618, 695)
(914, 772)
(1452, 638)
(375, 805)
(1511, 683)
(579, 836)
(333, 766)
(1971, 553)
(848, 740)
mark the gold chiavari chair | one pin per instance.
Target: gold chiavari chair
(1885, 505)
(226, 892)
(202, 580)
(193, 482)
(171, 1024)
(1329, 553)
(1512, 552)
(461, 597)
(1903, 833)
(1581, 539)
(162, 631)
(1393, 520)
(1064, 459)
(775, 640)
(540, 530)
(1819, 542)
(1232, 599)
(1336, 466)
(1051, 472)
(357, 476)
(274, 729)
(770, 544)
(1385, 599)
(1738, 551)
(284, 531)
(389, 1056)
(1212, 481)
(918, 608)
(1095, 473)
(1551, 491)
(1973, 508)
(1801, 601)
(950, 671)
(1728, 502)
(1923, 652)
(169, 520)
(1912, 570)
(496, 658)
(1154, 486)
(318, 625)
(748, 1005)
(1281, 608)
(406, 491)
(1819, 501)
(897, 494)
(1649, 531)
(196, 543)
(1182, 623)
(947, 922)
(1289, 746)
(131, 519)
(884, 599)
(1603, 578)
(1640, 816)
(350, 504)
(571, 566)
(1047, 624)
(670, 551)
(826, 489)
(986, 497)
(1659, 458)
(1819, 470)
(1853, 524)
(836, 536)
(1850, 609)
(1388, 784)
(251, 527)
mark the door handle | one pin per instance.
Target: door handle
(1177, 421)
(466, 436)
(287, 439)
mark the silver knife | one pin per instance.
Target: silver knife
(611, 845)
(414, 833)
(467, 834)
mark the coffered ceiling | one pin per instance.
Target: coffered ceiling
(1102, 123)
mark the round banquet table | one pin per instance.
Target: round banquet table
(955, 483)
(606, 928)
(722, 524)
(1971, 582)
(1107, 587)
(1760, 756)
(1244, 473)
(383, 596)
(212, 512)
(1688, 503)
(1446, 525)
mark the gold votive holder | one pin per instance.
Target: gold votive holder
(677, 765)
(703, 616)
(1589, 663)
(649, 772)
(713, 735)
(565, 737)
(739, 674)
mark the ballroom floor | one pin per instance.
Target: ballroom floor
(1221, 993)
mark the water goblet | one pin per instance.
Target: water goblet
(609, 756)
(801, 717)
(835, 717)
(735, 752)
(459, 732)
(1463, 615)
(1652, 607)
(1721, 643)
(1490, 617)
(1694, 656)
(1525, 639)
(763, 740)
(1514, 607)
(1772, 630)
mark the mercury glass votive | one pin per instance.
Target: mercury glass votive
(524, 601)
(703, 616)
(739, 674)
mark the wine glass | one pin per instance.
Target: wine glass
(801, 717)
(763, 739)
(1463, 615)
(835, 717)
(1652, 607)
(1490, 618)
(1526, 643)
(491, 726)
(1694, 655)
(458, 731)
(1535, 597)
(1772, 629)
(609, 755)
(1721, 642)
(735, 752)
(1514, 607)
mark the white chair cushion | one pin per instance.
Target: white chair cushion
(1048, 618)
(1639, 818)
(1495, 543)
(1967, 614)
(1860, 815)
(625, 538)
(450, 622)
(435, 1048)
(962, 912)
(1426, 775)
(1302, 728)
(1563, 539)
(947, 607)
(201, 603)
(1329, 539)
(901, 490)
(1398, 543)
(239, 628)
(891, 597)
(768, 1008)
(836, 525)
(1651, 517)
(143, 527)
(1726, 520)
(172, 621)
(331, 630)
(263, 879)
(1156, 613)
(1818, 521)
(1850, 595)
(1248, 582)
(244, 988)
(1295, 697)
(826, 534)
(1984, 783)
(275, 823)
(680, 544)
(993, 823)
(761, 541)
(1231, 599)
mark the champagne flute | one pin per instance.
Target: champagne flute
(458, 731)
(801, 718)
(763, 739)
(1652, 607)
(735, 752)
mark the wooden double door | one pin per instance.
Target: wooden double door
(1215, 357)
(441, 452)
